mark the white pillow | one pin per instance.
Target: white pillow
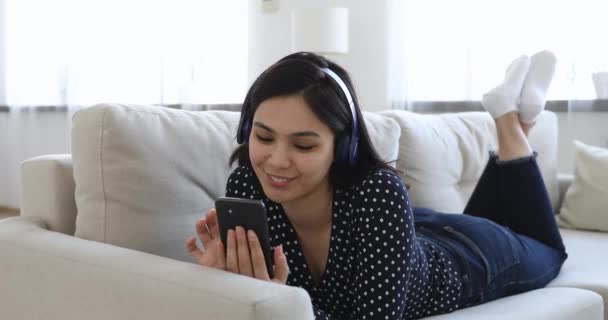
(144, 175)
(442, 156)
(586, 200)
(384, 133)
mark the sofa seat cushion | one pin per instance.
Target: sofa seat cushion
(587, 263)
(442, 156)
(144, 174)
(541, 304)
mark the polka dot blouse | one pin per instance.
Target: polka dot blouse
(377, 266)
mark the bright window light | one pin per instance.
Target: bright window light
(68, 52)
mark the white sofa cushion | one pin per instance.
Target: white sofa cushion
(144, 175)
(587, 263)
(585, 204)
(442, 156)
(541, 304)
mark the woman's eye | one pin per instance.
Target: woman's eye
(304, 147)
(263, 139)
(298, 146)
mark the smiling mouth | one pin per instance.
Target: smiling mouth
(278, 180)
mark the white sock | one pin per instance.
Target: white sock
(532, 102)
(505, 97)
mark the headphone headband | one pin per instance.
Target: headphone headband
(352, 151)
(342, 85)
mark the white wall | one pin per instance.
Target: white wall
(24, 135)
(590, 128)
(367, 60)
(2, 55)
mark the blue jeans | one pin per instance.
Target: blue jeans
(507, 241)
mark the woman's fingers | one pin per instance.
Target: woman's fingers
(212, 223)
(244, 256)
(281, 268)
(221, 255)
(257, 257)
(242, 246)
(193, 249)
(232, 263)
(203, 233)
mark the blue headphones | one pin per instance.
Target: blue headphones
(346, 147)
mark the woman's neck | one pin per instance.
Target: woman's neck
(313, 212)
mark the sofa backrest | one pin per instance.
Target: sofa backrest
(443, 155)
(144, 175)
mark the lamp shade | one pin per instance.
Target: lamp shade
(320, 30)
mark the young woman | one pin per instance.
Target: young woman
(340, 219)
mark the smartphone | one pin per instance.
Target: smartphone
(249, 214)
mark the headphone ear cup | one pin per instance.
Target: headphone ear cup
(343, 148)
(353, 147)
(243, 133)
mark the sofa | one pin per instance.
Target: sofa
(101, 232)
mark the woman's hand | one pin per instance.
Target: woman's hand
(208, 231)
(245, 257)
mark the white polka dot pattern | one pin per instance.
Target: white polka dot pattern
(377, 267)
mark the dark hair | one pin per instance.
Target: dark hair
(301, 73)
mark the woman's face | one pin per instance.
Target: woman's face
(290, 149)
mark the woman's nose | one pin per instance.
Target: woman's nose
(279, 157)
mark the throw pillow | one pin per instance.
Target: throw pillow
(586, 201)
(442, 156)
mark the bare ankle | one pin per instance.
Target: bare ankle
(512, 137)
(508, 119)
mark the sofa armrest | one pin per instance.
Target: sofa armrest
(51, 275)
(563, 182)
(47, 191)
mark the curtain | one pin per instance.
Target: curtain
(76, 53)
(443, 50)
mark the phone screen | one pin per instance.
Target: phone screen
(249, 214)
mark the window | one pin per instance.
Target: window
(69, 52)
(457, 50)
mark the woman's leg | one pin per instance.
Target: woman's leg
(484, 201)
(511, 191)
(529, 252)
(501, 103)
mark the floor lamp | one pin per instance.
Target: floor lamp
(320, 30)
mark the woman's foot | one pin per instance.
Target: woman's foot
(505, 97)
(516, 103)
(534, 91)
